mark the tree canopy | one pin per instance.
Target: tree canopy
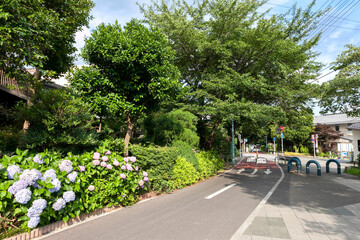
(40, 34)
(132, 71)
(237, 62)
(342, 93)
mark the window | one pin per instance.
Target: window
(348, 126)
(337, 127)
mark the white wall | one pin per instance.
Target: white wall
(356, 137)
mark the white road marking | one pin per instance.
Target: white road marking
(251, 217)
(240, 171)
(268, 171)
(255, 171)
(220, 191)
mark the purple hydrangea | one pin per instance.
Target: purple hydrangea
(39, 203)
(81, 168)
(1, 166)
(51, 173)
(23, 196)
(123, 176)
(33, 222)
(12, 170)
(105, 158)
(124, 195)
(17, 186)
(109, 166)
(96, 162)
(133, 159)
(103, 164)
(59, 204)
(129, 167)
(66, 165)
(72, 176)
(123, 167)
(57, 185)
(145, 174)
(146, 179)
(96, 156)
(141, 183)
(30, 176)
(69, 196)
(38, 160)
(116, 163)
(107, 152)
(34, 212)
(126, 159)
(91, 188)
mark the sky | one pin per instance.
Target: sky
(340, 26)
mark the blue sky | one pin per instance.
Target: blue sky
(341, 25)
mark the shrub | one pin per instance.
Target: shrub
(186, 151)
(304, 149)
(183, 174)
(209, 164)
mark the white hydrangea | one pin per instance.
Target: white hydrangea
(12, 170)
(72, 176)
(66, 165)
(59, 204)
(69, 196)
(30, 176)
(51, 173)
(33, 222)
(23, 196)
(38, 160)
(57, 185)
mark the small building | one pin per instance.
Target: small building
(340, 122)
(355, 128)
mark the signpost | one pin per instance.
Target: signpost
(282, 140)
(239, 137)
(245, 141)
(232, 142)
(274, 145)
(313, 141)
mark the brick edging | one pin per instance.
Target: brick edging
(41, 231)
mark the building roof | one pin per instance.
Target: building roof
(355, 126)
(335, 119)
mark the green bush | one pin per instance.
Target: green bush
(186, 151)
(183, 174)
(9, 139)
(209, 164)
(304, 149)
(158, 162)
(109, 186)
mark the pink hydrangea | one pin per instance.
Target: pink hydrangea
(136, 168)
(123, 167)
(91, 188)
(116, 163)
(133, 159)
(96, 162)
(129, 167)
(82, 168)
(107, 152)
(105, 158)
(123, 176)
(141, 183)
(126, 159)
(103, 164)
(146, 179)
(96, 156)
(145, 174)
(109, 166)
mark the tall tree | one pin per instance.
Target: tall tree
(133, 70)
(40, 34)
(235, 60)
(342, 94)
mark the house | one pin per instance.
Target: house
(340, 122)
(355, 128)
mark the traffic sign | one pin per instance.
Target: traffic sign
(281, 128)
(282, 135)
(245, 139)
(274, 138)
(312, 138)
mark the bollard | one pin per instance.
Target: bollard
(317, 164)
(337, 163)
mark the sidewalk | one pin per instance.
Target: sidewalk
(296, 221)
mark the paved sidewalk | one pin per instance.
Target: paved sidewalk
(297, 221)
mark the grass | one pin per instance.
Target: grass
(353, 171)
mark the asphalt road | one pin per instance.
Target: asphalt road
(184, 214)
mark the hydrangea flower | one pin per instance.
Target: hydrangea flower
(72, 176)
(103, 164)
(105, 158)
(123, 176)
(17, 186)
(129, 167)
(38, 160)
(145, 174)
(96, 156)
(66, 165)
(59, 204)
(1, 166)
(133, 159)
(109, 166)
(96, 162)
(30, 176)
(136, 168)
(69, 196)
(123, 167)
(126, 159)
(107, 152)
(146, 179)
(34, 212)
(57, 185)
(39, 203)
(141, 183)
(81, 168)
(51, 173)
(12, 170)
(91, 188)
(23, 196)
(33, 222)
(116, 163)
(124, 195)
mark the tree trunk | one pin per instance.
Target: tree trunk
(100, 125)
(130, 126)
(211, 139)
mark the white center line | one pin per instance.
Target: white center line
(220, 191)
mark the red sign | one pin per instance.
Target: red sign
(281, 128)
(312, 137)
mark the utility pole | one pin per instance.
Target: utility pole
(232, 142)
(239, 136)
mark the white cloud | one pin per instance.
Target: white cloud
(336, 34)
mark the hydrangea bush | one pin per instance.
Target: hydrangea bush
(37, 189)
